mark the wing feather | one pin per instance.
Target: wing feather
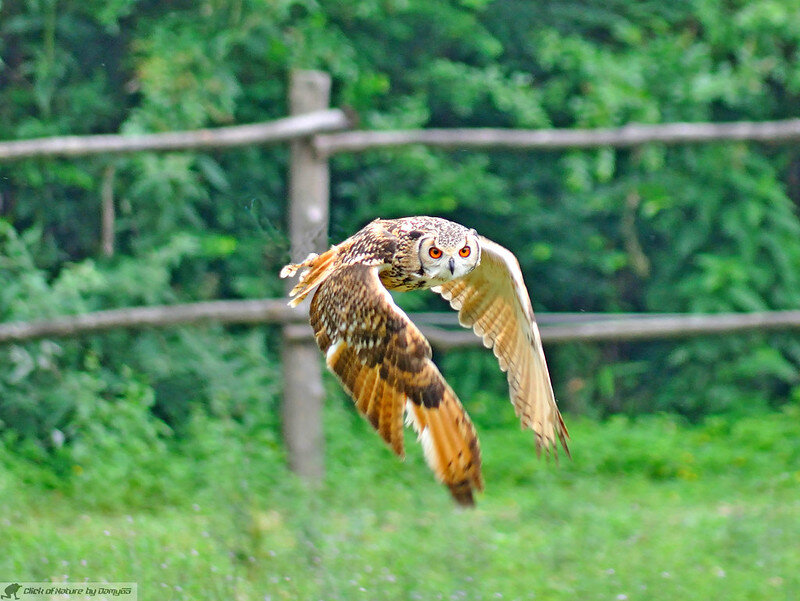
(384, 363)
(493, 300)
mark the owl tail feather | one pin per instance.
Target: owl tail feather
(315, 269)
(451, 446)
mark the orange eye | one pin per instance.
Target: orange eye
(464, 252)
(435, 253)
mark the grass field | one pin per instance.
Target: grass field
(647, 509)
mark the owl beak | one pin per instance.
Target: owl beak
(452, 265)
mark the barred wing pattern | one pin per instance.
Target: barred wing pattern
(494, 302)
(384, 363)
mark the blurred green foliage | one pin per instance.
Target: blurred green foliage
(688, 229)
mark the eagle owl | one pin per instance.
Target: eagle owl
(383, 360)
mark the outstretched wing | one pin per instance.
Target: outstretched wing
(384, 363)
(493, 300)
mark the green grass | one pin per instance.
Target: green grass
(647, 509)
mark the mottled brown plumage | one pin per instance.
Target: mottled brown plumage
(384, 361)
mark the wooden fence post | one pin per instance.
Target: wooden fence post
(108, 221)
(309, 185)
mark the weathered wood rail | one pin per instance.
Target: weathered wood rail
(441, 329)
(559, 139)
(271, 132)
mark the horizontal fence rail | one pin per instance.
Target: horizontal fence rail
(569, 327)
(161, 316)
(320, 124)
(280, 130)
(559, 139)
(441, 329)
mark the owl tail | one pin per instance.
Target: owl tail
(450, 444)
(316, 268)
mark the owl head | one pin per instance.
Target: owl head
(449, 255)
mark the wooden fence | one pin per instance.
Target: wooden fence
(441, 329)
(314, 132)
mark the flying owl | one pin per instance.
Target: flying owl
(384, 362)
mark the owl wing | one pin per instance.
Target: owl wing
(493, 300)
(384, 363)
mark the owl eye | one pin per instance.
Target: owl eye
(464, 252)
(435, 253)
